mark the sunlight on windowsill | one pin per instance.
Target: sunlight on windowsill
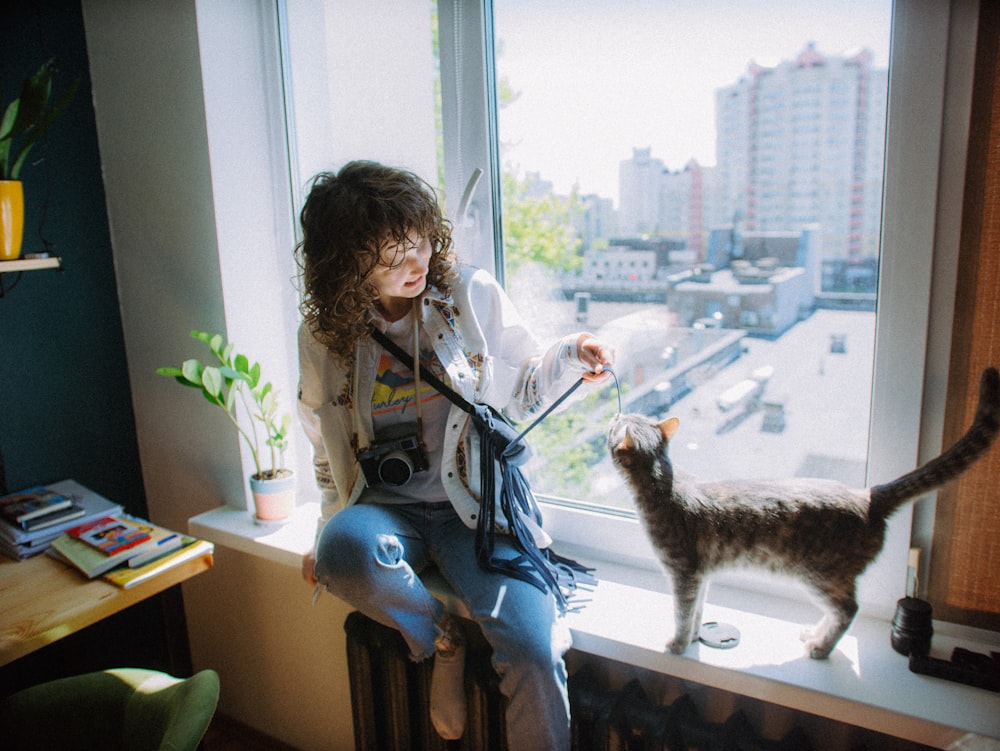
(629, 618)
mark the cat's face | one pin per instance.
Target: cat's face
(631, 437)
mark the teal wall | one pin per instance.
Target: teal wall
(65, 404)
(65, 407)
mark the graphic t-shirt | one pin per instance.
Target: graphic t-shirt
(394, 411)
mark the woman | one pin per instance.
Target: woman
(391, 453)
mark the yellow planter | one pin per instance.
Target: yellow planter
(11, 219)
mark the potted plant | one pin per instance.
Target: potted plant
(235, 386)
(25, 120)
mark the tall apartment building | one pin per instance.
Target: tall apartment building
(802, 143)
(678, 205)
(797, 145)
(639, 180)
(597, 219)
(689, 207)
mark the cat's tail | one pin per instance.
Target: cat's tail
(886, 498)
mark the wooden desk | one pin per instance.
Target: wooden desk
(43, 600)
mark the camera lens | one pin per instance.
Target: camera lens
(395, 468)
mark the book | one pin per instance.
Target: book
(56, 517)
(191, 549)
(162, 547)
(161, 541)
(91, 561)
(21, 551)
(25, 505)
(87, 559)
(19, 543)
(110, 534)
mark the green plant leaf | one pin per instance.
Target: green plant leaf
(231, 400)
(41, 127)
(7, 124)
(267, 403)
(10, 114)
(211, 399)
(192, 370)
(262, 390)
(221, 385)
(35, 93)
(242, 364)
(211, 381)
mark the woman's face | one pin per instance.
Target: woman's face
(401, 275)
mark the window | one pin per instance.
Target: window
(698, 298)
(621, 104)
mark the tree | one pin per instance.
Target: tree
(568, 445)
(538, 225)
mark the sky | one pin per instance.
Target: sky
(596, 79)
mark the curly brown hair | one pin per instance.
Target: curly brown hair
(347, 219)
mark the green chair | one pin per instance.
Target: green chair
(126, 709)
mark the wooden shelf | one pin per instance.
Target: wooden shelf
(29, 264)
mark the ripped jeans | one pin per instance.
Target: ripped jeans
(370, 555)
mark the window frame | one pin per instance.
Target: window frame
(924, 165)
(918, 238)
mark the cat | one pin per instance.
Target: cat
(822, 532)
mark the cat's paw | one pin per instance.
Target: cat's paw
(677, 646)
(817, 649)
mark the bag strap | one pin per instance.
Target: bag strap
(404, 357)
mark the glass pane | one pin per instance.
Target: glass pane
(352, 96)
(701, 185)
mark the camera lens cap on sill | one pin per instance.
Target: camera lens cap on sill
(718, 635)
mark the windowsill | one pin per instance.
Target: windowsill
(864, 683)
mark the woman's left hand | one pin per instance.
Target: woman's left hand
(595, 356)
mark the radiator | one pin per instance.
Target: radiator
(389, 701)
(390, 694)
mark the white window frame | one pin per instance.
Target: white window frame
(925, 158)
(928, 114)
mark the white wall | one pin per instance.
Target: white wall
(154, 147)
(190, 192)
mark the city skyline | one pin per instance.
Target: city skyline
(645, 64)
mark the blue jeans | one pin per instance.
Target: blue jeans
(370, 555)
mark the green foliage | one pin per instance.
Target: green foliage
(27, 119)
(538, 227)
(235, 387)
(568, 444)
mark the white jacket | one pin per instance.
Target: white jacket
(491, 358)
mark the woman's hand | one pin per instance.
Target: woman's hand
(595, 356)
(309, 568)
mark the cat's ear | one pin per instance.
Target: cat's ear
(668, 427)
(627, 443)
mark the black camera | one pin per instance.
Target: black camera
(393, 462)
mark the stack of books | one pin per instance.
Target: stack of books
(92, 534)
(126, 550)
(31, 519)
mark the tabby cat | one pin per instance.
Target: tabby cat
(821, 532)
